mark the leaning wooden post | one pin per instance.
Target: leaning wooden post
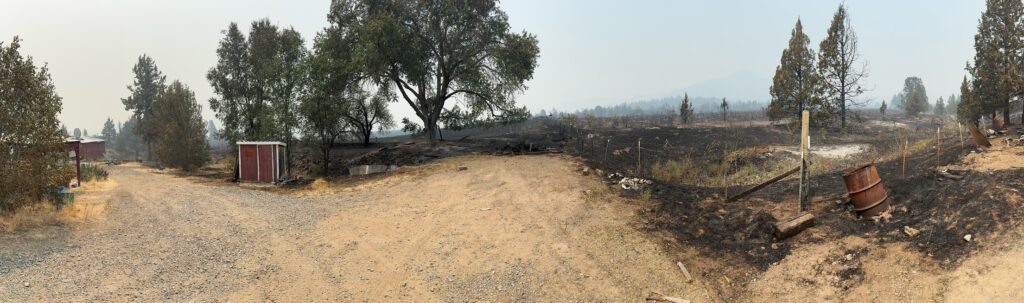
(805, 142)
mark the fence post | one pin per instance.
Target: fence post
(938, 145)
(960, 133)
(805, 143)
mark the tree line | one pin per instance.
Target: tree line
(996, 78)
(827, 82)
(432, 55)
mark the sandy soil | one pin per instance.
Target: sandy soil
(502, 229)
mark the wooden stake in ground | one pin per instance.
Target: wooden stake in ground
(906, 145)
(960, 133)
(938, 145)
(805, 144)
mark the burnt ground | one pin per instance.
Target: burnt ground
(943, 210)
(739, 233)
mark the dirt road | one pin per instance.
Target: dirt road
(504, 229)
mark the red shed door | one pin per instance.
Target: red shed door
(248, 163)
(266, 156)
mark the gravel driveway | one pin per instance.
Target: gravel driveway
(165, 238)
(505, 229)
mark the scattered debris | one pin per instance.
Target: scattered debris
(658, 297)
(945, 173)
(1013, 142)
(968, 238)
(462, 168)
(634, 183)
(686, 273)
(485, 209)
(793, 225)
(910, 231)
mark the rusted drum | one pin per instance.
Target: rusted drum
(866, 191)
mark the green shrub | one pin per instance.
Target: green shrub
(92, 172)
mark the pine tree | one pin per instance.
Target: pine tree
(78, 133)
(725, 110)
(85, 133)
(940, 107)
(182, 141)
(128, 145)
(914, 96)
(997, 61)
(145, 89)
(109, 133)
(797, 85)
(686, 109)
(969, 109)
(838, 64)
(952, 104)
(882, 108)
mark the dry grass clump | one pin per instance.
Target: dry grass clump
(88, 205)
(740, 167)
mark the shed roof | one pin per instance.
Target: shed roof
(261, 143)
(84, 140)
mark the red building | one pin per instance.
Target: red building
(88, 149)
(262, 161)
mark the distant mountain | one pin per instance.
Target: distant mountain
(744, 92)
(738, 86)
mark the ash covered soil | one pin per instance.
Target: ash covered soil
(950, 222)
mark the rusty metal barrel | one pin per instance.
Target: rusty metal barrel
(866, 191)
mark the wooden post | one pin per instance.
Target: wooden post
(906, 145)
(960, 133)
(805, 142)
(78, 163)
(938, 145)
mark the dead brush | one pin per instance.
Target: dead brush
(30, 216)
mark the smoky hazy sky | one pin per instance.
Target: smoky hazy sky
(592, 52)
